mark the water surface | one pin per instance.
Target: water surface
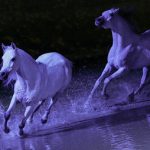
(124, 136)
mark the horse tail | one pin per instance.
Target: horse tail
(68, 72)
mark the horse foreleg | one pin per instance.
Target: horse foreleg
(36, 109)
(45, 116)
(107, 70)
(7, 114)
(107, 80)
(28, 111)
(143, 79)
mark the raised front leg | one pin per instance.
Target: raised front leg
(107, 70)
(7, 114)
(116, 74)
(45, 116)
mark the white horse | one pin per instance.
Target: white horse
(129, 50)
(36, 81)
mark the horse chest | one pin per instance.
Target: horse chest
(117, 62)
(20, 94)
(122, 56)
(113, 58)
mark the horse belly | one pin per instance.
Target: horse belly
(20, 90)
(55, 80)
(56, 77)
(140, 59)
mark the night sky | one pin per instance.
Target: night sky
(65, 26)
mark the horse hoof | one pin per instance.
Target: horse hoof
(44, 121)
(30, 121)
(6, 130)
(86, 105)
(21, 133)
(6, 116)
(90, 97)
(130, 97)
(104, 96)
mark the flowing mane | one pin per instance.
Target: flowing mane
(127, 16)
(9, 81)
(24, 54)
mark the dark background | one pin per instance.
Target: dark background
(65, 26)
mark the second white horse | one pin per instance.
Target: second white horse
(129, 50)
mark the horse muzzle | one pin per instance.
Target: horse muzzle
(99, 22)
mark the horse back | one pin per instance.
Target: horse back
(58, 71)
(51, 59)
(145, 39)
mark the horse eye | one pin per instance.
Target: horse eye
(13, 59)
(112, 14)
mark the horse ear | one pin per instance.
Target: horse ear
(116, 10)
(13, 45)
(3, 47)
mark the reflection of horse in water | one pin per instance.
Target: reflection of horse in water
(129, 50)
(36, 81)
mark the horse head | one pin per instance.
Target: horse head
(9, 60)
(106, 18)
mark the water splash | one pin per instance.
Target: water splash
(71, 105)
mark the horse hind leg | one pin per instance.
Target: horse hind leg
(143, 79)
(8, 113)
(45, 116)
(142, 83)
(35, 110)
(6, 128)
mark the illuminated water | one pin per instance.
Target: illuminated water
(64, 132)
(125, 136)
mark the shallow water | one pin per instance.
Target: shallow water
(125, 136)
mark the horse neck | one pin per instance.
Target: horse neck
(122, 33)
(115, 39)
(28, 69)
